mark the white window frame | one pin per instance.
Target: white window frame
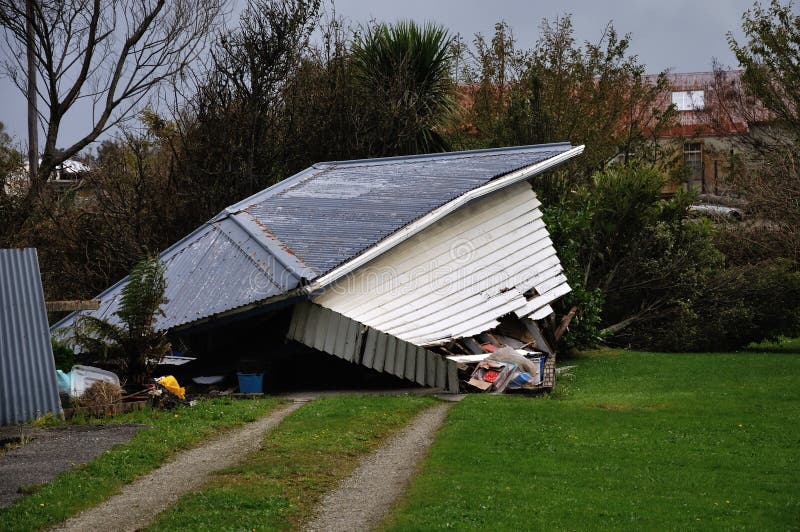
(689, 100)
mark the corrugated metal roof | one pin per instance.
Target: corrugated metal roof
(219, 267)
(459, 276)
(28, 385)
(310, 223)
(334, 211)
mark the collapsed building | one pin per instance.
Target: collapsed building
(417, 266)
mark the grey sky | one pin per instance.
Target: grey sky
(683, 35)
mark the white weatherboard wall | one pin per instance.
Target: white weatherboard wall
(458, 276)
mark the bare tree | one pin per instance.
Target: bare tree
(112, 52)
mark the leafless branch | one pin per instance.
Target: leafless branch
(114, 52)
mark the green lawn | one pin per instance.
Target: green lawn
(169, 432)
(278, 487)
(635, 441)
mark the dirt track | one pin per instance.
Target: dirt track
(137, 505)
(363, 500)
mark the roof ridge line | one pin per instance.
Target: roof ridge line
(324, 165)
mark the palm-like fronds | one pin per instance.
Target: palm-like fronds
(406, 68)
(135, 344)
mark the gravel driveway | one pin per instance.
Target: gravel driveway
(50, 451)
(141, 501)
(363, 500)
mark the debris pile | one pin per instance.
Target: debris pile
(92, 391)
(512, 357)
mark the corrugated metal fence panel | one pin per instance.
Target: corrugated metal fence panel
(457, 277)
(28, 385)
(338, 335)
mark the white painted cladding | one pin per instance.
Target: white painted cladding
(458, 276)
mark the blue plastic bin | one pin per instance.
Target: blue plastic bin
(251, 382)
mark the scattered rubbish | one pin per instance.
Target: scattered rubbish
(208, 379)
(717, 211)
(175, 360)
(495, 374)
(514, 357)
(479, 384)
(521, 380)
(468, 359)
(82, 377)
(167, 393)
(99, 394)
(64, 381)
(170, 383)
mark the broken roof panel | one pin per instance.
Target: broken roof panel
(305, 226)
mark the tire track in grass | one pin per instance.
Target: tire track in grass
(141, 501)
(362, 500)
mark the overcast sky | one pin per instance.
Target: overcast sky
(682, 35)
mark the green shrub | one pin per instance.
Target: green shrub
(740, 305)
(644, 274)
(630, 256)
(63, 354)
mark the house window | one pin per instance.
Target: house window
(689, 100)
(693, 162)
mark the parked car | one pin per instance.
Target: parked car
(717, 211)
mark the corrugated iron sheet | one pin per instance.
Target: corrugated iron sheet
(219, 267)
(28, 385)
(338, 335)
(334, 211)
(458, 276)
(310, 223)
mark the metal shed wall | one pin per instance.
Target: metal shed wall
(338, 335)
(458, 276)
(28, 385)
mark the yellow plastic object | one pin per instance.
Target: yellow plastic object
(171, 383)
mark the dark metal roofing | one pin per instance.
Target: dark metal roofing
(334, 211)
(27, 370)
(308, 224)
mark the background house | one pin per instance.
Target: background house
(705, 133)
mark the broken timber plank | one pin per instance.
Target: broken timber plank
(68, 306)
(562, 327)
